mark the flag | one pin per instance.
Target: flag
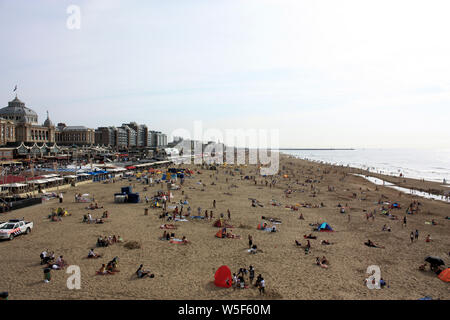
(15, 88)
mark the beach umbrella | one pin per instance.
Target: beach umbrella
(435, 260)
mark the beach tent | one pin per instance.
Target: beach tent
(325, 227)
(261, 226)
(222, 278)
(219, 233)
(445, 275)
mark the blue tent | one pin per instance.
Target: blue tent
(325, 227)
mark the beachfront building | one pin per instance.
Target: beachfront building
(158, 139)
(121, 138)
(105, 136)
(74, 135)
(25, 122)
(141, 134)
(131, 136)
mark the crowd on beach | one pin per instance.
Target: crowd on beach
(174, 207)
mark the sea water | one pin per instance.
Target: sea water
(428, 164)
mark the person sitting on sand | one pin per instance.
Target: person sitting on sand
(320, 263)
(112, 265)
(274, 229)
(143, 273)
(60, 263)
(422, 267)
(92, 254)
(297, 243)
(164, 236)
(184, 240)
(105, 214)
(47, 257)
(253, 249)
(428, 238)
(325, 242)
(301, 216)
(103, 271)
(101, 242)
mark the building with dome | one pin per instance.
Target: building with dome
(25, 122)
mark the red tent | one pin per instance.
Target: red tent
(445, 275)
(222, 278)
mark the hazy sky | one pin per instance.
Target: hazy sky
(325, 73)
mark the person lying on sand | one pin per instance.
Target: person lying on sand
(310, 236)
(93, 255)
(167, 226)
(271, 219)
(325, 242)
(143, 273)
(230, 235)
(373, 244)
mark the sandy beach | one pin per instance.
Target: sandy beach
(187, 271)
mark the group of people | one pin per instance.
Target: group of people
(87, 218)
(108, 240)
(110, 268)
(239, 279)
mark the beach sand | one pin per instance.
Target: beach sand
(187, 271)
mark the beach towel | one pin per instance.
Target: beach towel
(197, 217)
(176, 241)
(182, 220)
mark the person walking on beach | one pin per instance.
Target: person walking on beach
(252, 274)
(60, 197)
(250, 241)
(412, 237)
(416, 236)
(262, 286)
(229, 214)
(214, 203)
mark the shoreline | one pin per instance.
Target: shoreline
(427, 186)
